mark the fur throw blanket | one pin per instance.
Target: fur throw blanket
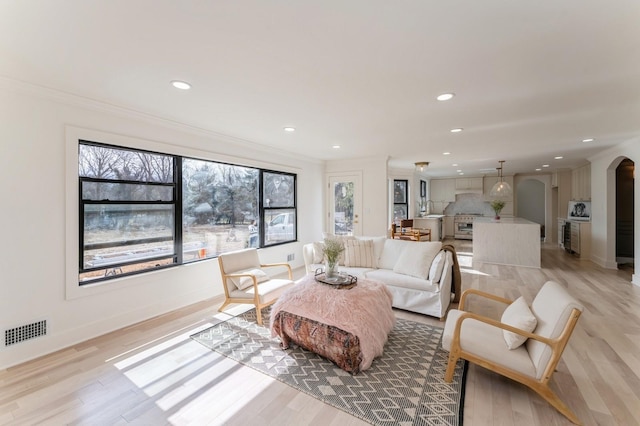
(364, 311)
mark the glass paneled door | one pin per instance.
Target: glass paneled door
(345, 205)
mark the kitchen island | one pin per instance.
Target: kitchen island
(507, 241)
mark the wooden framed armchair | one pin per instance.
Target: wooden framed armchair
(244, 280)
(543, 332)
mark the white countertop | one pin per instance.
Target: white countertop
(504, 220)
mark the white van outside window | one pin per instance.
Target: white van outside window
(281, 227)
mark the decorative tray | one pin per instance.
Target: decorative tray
(341, 281)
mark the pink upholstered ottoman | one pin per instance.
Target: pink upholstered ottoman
(346, 326)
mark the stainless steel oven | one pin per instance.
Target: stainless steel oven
(463, 226)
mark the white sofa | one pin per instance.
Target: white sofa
(418, 274)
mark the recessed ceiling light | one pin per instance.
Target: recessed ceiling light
(454, 165)
(289, 129)
(588, 140)
(183, 85)
(559, 157)
(461, 173)
(336, 147)
(545, 165)
(446, 153)
(456, 130)
(458, 170)
(445, 96)
(537, 170)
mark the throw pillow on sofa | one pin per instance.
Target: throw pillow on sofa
(342, 238)
(437, 266)
(416, 259)
(391, 253)
(359, 253)
(378, 246)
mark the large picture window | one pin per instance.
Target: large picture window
(220, 209)
(145, 210)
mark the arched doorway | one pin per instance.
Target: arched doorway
(531, 202)
(625, 213)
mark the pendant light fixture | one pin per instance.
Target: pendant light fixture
(421, 165)
(501, 189)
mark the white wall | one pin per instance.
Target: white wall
(603, 206)
(38, 274)
(548, 213)
(531, 200)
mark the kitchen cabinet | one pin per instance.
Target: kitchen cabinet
(580, 243)
(448, 226)
(432, 223)
(561, 222)
(469, 184)
(441, 193)
(581, 183)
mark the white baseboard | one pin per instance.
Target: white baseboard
(59, 340)
(604, 263)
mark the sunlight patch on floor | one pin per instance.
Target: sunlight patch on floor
(473, 272)
(217, 395)
(465, 261)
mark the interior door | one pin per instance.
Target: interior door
(345, 204)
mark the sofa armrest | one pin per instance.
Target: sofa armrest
(307, 255)
(446, 281)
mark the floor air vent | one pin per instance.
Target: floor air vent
(25, 332)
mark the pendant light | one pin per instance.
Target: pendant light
(421, 165)
(501, 189)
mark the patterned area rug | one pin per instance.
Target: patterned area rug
(405, 386)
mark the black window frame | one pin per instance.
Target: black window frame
(176, 257)
(401, 198)
(263, 209)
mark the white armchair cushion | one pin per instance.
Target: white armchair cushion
(518, 315)
(359, 253)
(486, 341)
(246, 282)
(416, 259)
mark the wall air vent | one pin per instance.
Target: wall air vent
(25, 332)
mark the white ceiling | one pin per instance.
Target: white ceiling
(532, 79)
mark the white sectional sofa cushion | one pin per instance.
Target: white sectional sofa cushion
(418, 274)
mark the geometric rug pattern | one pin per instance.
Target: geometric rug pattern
(405, 386)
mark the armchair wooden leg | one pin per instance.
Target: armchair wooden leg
(545, 392)
(451, 366)
(258, 315)
(224, 305)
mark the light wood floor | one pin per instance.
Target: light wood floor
(153, 374)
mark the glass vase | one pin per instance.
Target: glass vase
(331, 269)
